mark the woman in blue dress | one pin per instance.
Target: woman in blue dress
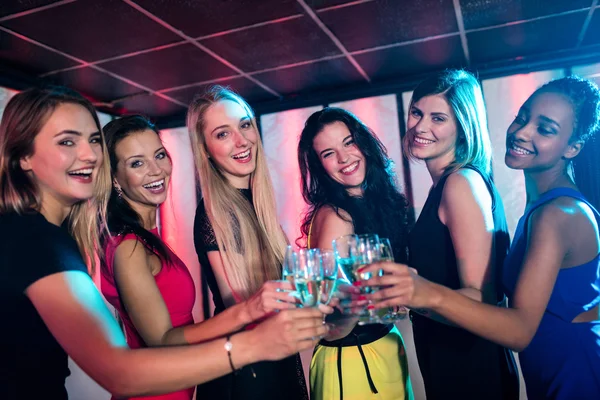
(552, 273)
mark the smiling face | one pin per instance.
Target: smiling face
(67, 154)
(143, 168)
(340, 156)
(231, 141)
(539, 137)
(432, 129)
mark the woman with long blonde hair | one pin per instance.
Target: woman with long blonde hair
(54, 185)
(239, 241)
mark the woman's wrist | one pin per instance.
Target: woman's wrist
(436, 296)
(244, 349)
(243, 314)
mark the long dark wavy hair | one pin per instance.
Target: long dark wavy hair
(382, 209)
(121, 217)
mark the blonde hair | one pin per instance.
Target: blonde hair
(24, 117)
(463, 93)
(253, 238)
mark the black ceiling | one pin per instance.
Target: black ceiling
(152, 56)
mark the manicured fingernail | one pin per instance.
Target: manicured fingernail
(357, 283)
(370, 307)
(361, 297)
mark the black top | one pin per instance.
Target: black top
(32, 363)
(454, 362)
(205, 241)
(265, 380)
(430, 244)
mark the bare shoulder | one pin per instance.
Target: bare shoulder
(563, 213)
(327, 214)
(328, 225)
(466, 184)
(131, 251)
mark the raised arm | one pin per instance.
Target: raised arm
(141, 297)
(74, 312)
(550, 236)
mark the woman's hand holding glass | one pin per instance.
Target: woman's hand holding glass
(400, 285)
(309, 271)
(273, 296)
(353, 252)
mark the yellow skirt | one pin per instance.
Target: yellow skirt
(387, 365)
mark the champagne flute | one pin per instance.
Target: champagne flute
(345, 250)
(330, 272)
(369, 252)
(290, 261)
(308, 277)
(386, 254)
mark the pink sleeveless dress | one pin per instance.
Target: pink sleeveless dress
(176, 287)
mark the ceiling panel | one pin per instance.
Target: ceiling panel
(28, 57)
(521, 40)
(93, 29)
(203, 17)
(273, 45)
(413, 59)
(9, 7)
(593, 32)
(384, 22)
(320, 76)
(245, 87)
(94, 84)
(174, 66)
(480, 13)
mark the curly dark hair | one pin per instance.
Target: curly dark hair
(382, 209)
(584, 96)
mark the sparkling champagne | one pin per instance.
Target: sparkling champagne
(289, 278)
(327, 288)
(347, 265)
(309, 290)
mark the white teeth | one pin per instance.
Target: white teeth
(86, 171)
(350, 168)
(423, 141)
(520, 150)
(242, 155)
(154, 184)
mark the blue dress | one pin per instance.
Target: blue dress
(563, 359)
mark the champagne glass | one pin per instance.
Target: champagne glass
(308, 277)
(369, 252)
(386, 254)
(345, 250)
(290, 261)
(330, 272)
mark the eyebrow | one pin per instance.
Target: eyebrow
(136, 156)
(245, 117)
(549, 120)
(330, 149)
(437, 113)
(219, 127)
(162, 148)
(76, 133)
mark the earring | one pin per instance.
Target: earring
(119, 192)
